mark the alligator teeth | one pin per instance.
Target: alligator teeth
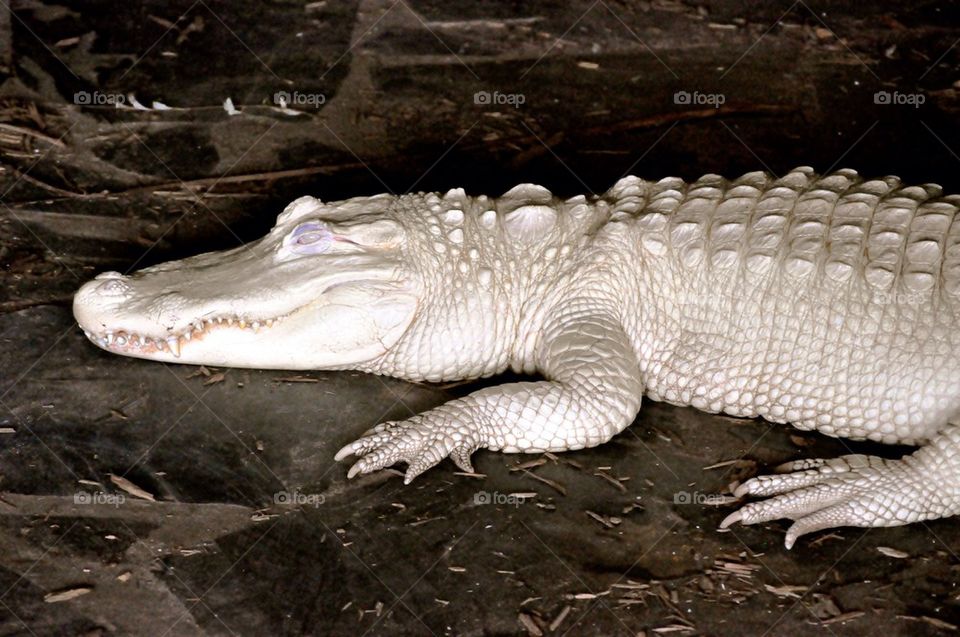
(109, 338)
(256, 326)
(174, 344)
(269, 322)
(188, 334)
(135, 340)
(121, 339)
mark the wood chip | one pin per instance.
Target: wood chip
(531, 626)
(200, 371)
(609, 522)
(7, 430)
(933, 621)
(297, 379)
(822, 33)
(66, 594)
(466, 474)
(129, 487)
(673, 628)
(786, 590)
(551, 483)
(720, 465)
(529, 464)
(426, 521)
(614, 481)
(825, 537)
(587, 596)
(843, 617)
(215, 378)
(457, 569)
(590, 66)
(555, 624)
(890, 552)
(124, 576)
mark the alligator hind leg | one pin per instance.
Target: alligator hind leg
(858, 490)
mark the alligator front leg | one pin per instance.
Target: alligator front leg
(858, 490)
(592, 391)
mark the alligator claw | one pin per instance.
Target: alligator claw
(415, 442)
(853, 490)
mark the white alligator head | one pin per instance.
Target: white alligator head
(326, 288)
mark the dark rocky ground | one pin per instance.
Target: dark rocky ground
(138, 498)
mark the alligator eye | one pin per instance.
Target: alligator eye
(309, 238)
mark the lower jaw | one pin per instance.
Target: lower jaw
(132, 344)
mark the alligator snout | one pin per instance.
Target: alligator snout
(98, 297)
(108, 284)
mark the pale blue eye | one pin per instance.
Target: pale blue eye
(310, 238)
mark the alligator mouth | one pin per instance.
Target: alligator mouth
(129, 342)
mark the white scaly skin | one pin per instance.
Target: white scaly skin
(829, 303)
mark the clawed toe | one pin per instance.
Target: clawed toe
(413, 442)
(853, 490)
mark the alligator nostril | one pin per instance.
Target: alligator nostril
(109, 275)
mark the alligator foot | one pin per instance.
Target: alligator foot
(420, 442)
(853, 490)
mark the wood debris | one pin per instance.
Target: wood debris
(529, 464)
(555, 624)
(529, 624)
(786, 590)
(215, 378)
(66, 594)
(130, 488)
(200, 371)
(587, 596)
(843, 617)
(617, 482)
(609, 522)
(550, 483)
(720, 465)
(891, 552)
(933, 621)
(297, 379)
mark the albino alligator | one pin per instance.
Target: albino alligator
(830, 303)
